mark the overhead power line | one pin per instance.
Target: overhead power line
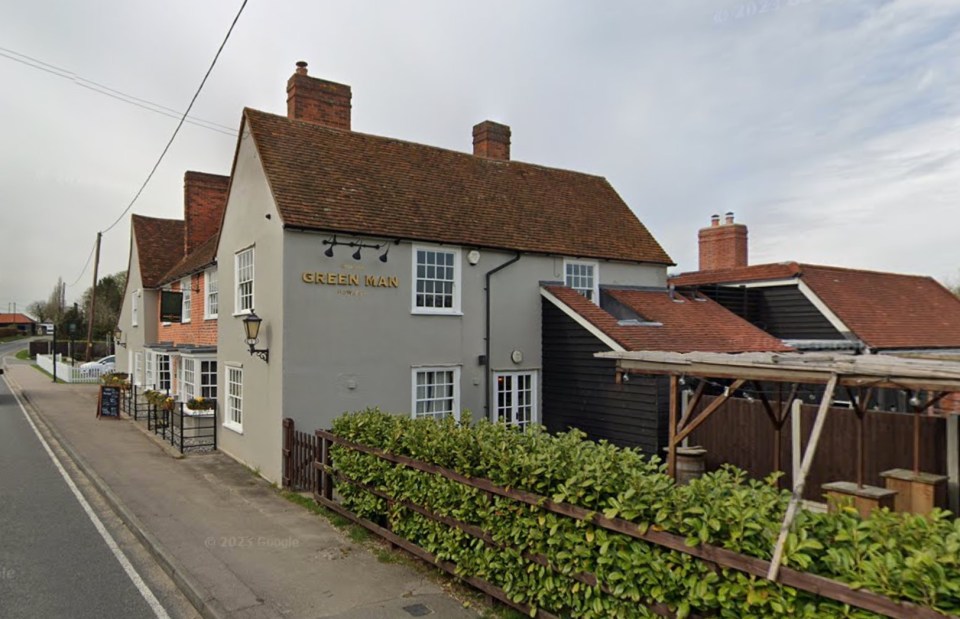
(111, 92)
(85, 265)
(182, 120)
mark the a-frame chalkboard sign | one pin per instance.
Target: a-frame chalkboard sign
(108, 402)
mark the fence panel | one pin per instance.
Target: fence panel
(300, 450)
(741, 434)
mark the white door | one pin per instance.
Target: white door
(515, 398)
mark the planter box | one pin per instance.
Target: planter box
(917, 493)
(198, 412)
(865, 498)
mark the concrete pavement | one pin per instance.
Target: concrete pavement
(232, 544)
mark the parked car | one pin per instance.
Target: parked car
(104, 365)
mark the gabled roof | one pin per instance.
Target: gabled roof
(197, 260)
(684, 324)
(883, 310)
(160, 246)
(337, 180)
(10, 319)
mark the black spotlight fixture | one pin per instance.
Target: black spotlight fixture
(359, 245)
(356, 254)
(383, 257)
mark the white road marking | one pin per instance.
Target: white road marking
(141, 586)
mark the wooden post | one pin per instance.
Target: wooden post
(326, 487)
(916, 438)
(93, 300)
(802, 479)
(287, 452)
(953, 462)
(672, 439)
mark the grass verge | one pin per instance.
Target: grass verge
(23, 355)
(46, 373)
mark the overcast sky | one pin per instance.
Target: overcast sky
(830, 127)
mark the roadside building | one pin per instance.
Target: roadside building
(393, 274)
(18, 324)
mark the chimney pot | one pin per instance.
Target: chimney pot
(729, 217)
(301, 67)
(491, 140)
(714, 220)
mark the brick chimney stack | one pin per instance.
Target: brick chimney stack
(723, 246)
(318, 101)
(204, 199)
(491, 140)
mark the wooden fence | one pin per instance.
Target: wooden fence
(299, 456)
(714, 555)
(741, 434)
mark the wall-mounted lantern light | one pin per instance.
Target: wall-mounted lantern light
(251, 329)
(117, 334)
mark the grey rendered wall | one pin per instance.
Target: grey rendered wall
(354, 346)
(246, 224)
(146, 330)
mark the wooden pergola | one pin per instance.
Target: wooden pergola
(858, 375)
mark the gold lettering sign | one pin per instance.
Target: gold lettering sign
(350, 279)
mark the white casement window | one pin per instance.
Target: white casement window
(164, 373)
(135, 308)
(186, 299)
(199, 378)
(208, 379)
(149, 376)
(187, 378)
(436, 281)
(436, 392)
(515, 397)
(211, 301)
(243, 263)
(582, 276)
(233, 418)
(138, 368)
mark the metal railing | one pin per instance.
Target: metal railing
(184, 429)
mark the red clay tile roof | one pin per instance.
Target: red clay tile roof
(755, 273)
(889, 310)
(883, 310)
(11, 319)
(686, 326)
(160, 246)
(197, 260)
(330, 179)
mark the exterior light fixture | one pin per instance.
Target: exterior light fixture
(251, 329)
(383, 257)
(359, 245)
(356, 254)
(117, 334)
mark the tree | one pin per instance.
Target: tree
(38, 309)
(109, 303)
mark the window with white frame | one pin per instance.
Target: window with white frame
(149, 377)
(211, 298)
(208, 379)
(187, 381)
(436, 392)
(244, 278)
(138, 368)
(233, 417)
(199, 378)
(581, 275)
(135, 308)
(186, 299)
(164, 373)
(436, 287)
(515, 398)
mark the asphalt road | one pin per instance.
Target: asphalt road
(53, 561)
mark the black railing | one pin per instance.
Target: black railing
(185, 430)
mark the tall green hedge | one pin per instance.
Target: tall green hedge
(904, 557)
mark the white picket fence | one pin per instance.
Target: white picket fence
(68, 373)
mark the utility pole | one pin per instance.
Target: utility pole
(93, 299)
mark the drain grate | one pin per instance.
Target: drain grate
(418, 610)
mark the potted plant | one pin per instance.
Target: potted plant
(200, 406)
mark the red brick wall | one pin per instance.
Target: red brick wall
(199, 331)
(318, 101)
(723, 246)
(204, 198)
